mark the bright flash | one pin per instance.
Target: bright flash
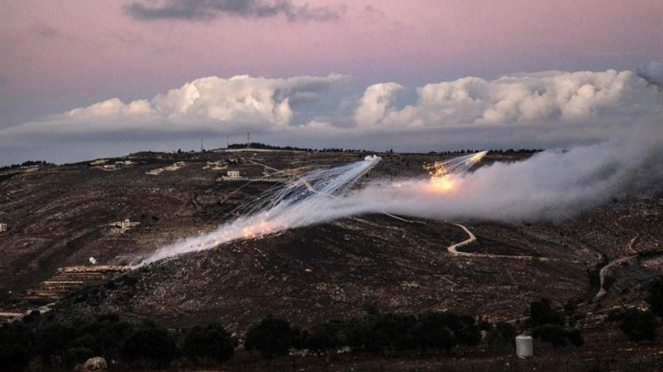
(443, 184)
(444, 175)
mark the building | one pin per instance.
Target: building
(98, 162)
(3, 227)
(154, 172)
(120, 227)
(175, 166)
(234, 175)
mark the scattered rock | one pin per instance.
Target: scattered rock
(95, 364)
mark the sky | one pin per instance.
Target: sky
(89, 79)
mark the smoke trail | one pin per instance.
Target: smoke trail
(303, 202)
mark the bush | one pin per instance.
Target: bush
(638, 325)
(432, 332)
(502, 334)
(391, 332)
(655, 296)
(77, 355)
(105, 335)
(150, 345)
(15, 347)
(53, 340)
(326, 337)
(575, 337)
(557, 336)
(272, 337)
(212, 343)
(550, 333)
(541, 313)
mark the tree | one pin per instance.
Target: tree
(391, 332)
(655, 296)
(211, 343)
(432, 332)
(53, 340)
(272, 337)
(541, 313)
(105, 335)
(557, 335)
(16, 343)
(151, 345)
(326, 337)
(551, 333)
(77, 355)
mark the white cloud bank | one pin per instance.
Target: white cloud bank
(536, 110)
(524, 98)
(240, 99)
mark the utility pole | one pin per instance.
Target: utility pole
(201, 145)
(248, 140)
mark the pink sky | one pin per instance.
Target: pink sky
(78, 48)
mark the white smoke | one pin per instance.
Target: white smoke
(303, 202)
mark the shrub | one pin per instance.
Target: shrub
(211, 343)
(272, 337)
(326, 337)
(638, 325)
(391, 332)
(550, 333)
(15, 347)
(150, 345)
(432, 332)
(77, 355)
(575, 337)
(53, 340)
(557, 335)
(105, 335)
(502, 334)
(541, 313)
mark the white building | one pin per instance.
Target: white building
(233, 175)
(155, 172)
(3, 227)
(120, 227)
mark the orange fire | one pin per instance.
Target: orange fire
(443, 184)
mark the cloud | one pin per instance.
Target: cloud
(375, 102)
(240, 99)
(524, 98)
(653, 73)
(194, 10)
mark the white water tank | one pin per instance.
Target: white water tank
(524, 346)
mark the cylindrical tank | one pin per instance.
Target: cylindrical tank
(524, 346)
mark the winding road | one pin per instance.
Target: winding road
(453, 249)
(606, 269)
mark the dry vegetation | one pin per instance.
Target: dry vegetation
(58, 217)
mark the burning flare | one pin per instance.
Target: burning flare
(444, 175)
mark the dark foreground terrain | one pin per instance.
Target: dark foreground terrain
(58, 225)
